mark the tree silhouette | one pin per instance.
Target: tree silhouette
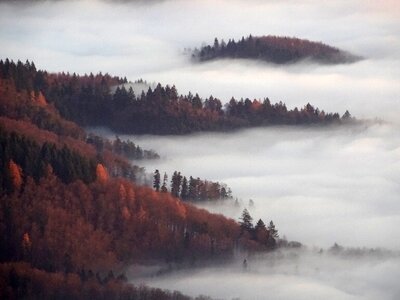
(272, 230)
(246, 221)
(156, 180)
(164, 188)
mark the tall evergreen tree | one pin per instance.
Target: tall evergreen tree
(272, 230)
(184, 189)
(176, 183)
(246, 221)
(261, 232)
(193, 194)
(164, 188)
(156, 180)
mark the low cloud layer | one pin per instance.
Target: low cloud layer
(304, 274)
(319, 186)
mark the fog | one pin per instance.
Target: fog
(140, 40)
(319, 186)
(301, 274)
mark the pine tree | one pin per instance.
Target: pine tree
(176, 183)
(164, 188)
(272, 230)
(184, 189)
(261, 232)
(193, 195)
(156, 180)
(260, 225)
(246, 221)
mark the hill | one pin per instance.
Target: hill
(274, 49)
(71, 214)
(93, 100)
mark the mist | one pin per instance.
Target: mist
(147, 40)
(319, 186)
(293, 274)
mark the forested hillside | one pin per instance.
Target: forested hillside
(71, 214)
(88, 100)
(274, 49)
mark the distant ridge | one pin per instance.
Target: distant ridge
(274, 49)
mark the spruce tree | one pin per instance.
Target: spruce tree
(164, 188)
(184, 189)
(272, 230)
(156, 180)
(246, 221)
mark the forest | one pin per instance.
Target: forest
(192, 189)
(72, 213)
(274, 49)
(88, 101)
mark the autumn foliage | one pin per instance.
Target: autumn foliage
(71, 215)
(15, 175)
(101, 173)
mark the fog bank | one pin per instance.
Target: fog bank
(300, 274)
(318, 185)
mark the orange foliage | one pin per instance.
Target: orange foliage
(101, 173)
(42, 136)
(126, 213)
(24, 105)
(40, 99)
(15, 174)
(122, 193)
(255, 105)
(26, 241)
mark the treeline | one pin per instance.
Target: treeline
(192, 189)
(259, 233)
(87, 100)
(127, 149)
(163, 111)
(274, 49)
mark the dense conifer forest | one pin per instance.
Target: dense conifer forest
(88, 101)
(274, 49)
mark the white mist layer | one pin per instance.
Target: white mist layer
(319, 186)
(285, 275)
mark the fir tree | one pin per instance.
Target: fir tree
(156, 180)
(246, 221)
